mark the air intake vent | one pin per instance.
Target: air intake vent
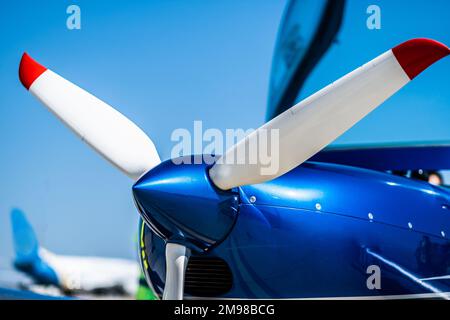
(207, 277)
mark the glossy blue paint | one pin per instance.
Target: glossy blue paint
(151, 249)
(180, 203)
(309, 234)
(40, 271)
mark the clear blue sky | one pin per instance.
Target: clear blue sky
(165, 64)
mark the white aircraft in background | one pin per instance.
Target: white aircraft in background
(71, 274)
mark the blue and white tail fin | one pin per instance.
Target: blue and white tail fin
(26, 247)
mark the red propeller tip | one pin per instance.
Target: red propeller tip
(29, 70)
(418, 54)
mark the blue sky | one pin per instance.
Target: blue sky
(165, 64)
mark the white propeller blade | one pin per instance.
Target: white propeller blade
(309, 126)
(176, 263)
(105, 129)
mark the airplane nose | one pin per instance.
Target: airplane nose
(180, 204)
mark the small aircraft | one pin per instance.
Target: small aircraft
(308, 230)
(72, 275)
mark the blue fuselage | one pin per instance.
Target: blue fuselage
(317, 230)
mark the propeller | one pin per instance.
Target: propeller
(176, 263)
(179, 201)
(102, 127)
(315, 122)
